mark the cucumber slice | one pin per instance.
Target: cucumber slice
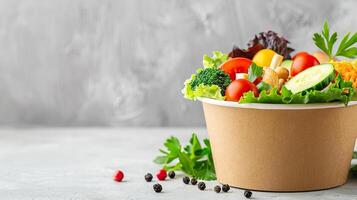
(313, 78)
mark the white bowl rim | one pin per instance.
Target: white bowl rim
(266, 106)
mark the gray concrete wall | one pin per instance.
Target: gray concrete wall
(123, 63)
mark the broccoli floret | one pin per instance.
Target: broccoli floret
(211, 76)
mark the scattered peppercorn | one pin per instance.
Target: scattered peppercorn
(171, 174)
(201, 186)
(157, 187)
(217, 188)
(225, 188)
(119, 175)
(148, 177)
(193, 181)
(248, 194)
(161, 175)
(186, 180)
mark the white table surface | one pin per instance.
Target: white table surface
(78, 164)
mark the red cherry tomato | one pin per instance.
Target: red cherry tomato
(119, 175)
(299, 53)
(161, 175)
(238, 87)
(302, 62)
(236, 65)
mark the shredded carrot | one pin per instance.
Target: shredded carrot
(347, 69)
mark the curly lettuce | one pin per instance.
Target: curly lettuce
(212, 92)
(215, 61)
(339, 91)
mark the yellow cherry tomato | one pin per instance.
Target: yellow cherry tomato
(263, 57)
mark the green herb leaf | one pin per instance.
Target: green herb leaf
(194, 159)
(195, 144)
(346, 42)
(325, 30)
(320, 42)
(331, 42)
(349, 53)
(254, 71)
(164, 152)
(173, 146)
(187, 164)
(326, 43)
(160, 160)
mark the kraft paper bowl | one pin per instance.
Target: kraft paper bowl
(275, 147)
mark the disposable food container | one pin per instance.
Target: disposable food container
(278, 147)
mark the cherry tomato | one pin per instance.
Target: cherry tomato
(299, 53)
(302, 62)
(236, 65)
(238, 87)
(161, 175)
(119, 175)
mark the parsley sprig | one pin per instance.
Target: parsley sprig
(193, 159)
(326, 43)
(254, 72)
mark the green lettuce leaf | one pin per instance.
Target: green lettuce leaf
(212, 92)
(187, 91)
(354, 97)
(264, 97)
(215, 61)
(340, 91)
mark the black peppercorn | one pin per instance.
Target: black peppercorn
(157, 187)
(186, 180)
(217, 188)
(201, 186)
(171, 174)
(248, 194)
(148, 177)
(225, 188)
(193, 181)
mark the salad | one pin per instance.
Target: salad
(266, 72)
